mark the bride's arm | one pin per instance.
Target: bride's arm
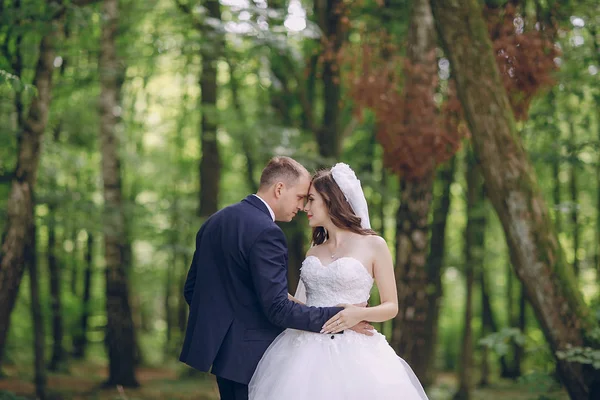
(383, 271)
(295, 300)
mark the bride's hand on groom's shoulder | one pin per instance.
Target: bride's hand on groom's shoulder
(352, 316)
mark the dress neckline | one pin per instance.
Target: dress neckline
(323, 265)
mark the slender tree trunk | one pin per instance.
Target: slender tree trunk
(594, 34)
(329, 18)
(80, 341)
(74, 262)
(509, 369)
(598, 197)
(413, 329)
(535, 252)
(435, 264)
(484, 378)
(295, 233)
(574, 195)
(120, 336)
(555, 129)
(519, 350)
(172, 270)
(489, 325)
(474, 260)
(58, 349)
(383, 200)
(36, 314)
(20, 202)
(247, 145)
(210, 164)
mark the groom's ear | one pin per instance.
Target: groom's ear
(278, 189)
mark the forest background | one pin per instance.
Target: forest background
(474, 127)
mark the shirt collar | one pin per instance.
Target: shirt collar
(268, 207)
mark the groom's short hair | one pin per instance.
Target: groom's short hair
(284, 169)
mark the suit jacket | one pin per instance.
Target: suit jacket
(238, 294)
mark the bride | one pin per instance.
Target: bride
(346, 258)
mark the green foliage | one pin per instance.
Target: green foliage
(12, 81)
(582, 355)
(501, 342)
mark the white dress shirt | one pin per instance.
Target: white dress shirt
(268, 207)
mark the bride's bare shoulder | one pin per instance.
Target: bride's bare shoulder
(375, 242)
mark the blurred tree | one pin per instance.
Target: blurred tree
(333, 21)
(30, 260)
(59, 354)
(80, 341)
(210, 51)
(20, 203)
(534, 248)
(120, 335)
(474, 248)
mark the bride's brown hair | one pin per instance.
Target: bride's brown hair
(339, 209)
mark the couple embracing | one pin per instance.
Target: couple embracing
(264, 344)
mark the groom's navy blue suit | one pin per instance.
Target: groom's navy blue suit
(238, 294)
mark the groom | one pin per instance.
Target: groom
(237, 284)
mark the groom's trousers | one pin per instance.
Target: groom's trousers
(231, 390)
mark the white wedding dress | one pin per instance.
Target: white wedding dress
(303, 365)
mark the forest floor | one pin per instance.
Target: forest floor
(84, 379)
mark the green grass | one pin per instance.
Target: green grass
(180, 383)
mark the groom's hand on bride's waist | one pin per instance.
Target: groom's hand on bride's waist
(349, 318)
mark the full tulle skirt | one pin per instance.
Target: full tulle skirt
(350, 366)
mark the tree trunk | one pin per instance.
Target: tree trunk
(594, 34)
(519, 350)
(412, 332)
(295, 234)
(488, 325)
(20, 202)
(171, 271)
(509, 370)
(409, 334)
(329, 18)
(474, 259)
(80, 340)
(58, 349)
(36, 314)
(555, 129)
(435, 265)
(598, 195)
(120, 337)
(535, 252)
(484, 378)
(74, 262)
(574, 195)
(210, 164)
(247, 144)
(383, 200)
